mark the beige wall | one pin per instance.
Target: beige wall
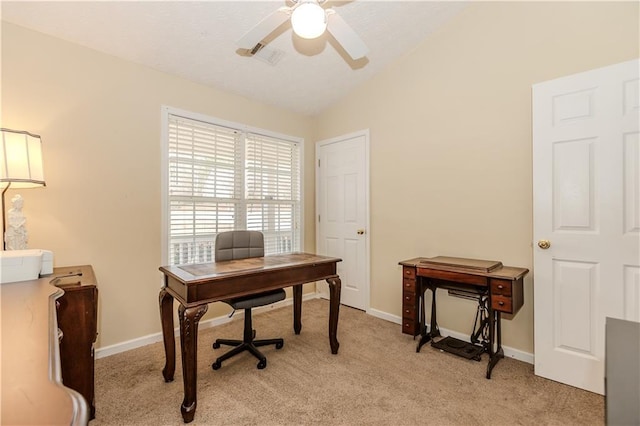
(99, 118)
(450, 149)
(450, 123)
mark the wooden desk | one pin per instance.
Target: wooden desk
(32, 391)
(503, 285)
(195, 286)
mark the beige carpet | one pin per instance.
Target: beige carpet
(376, 379)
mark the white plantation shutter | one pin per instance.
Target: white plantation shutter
(273, 191)
(222, 179)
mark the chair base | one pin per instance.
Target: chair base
(247, 344)
(241, 346)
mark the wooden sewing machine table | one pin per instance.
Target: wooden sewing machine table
(502, 285)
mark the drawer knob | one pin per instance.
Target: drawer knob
(501, 303)
(500, 287)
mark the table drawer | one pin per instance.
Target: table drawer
(502, 304)
(408, 298)
(408, 311)
(457, 277)
(500, 287)
(409, 285)
(408, 272)
(410, 326)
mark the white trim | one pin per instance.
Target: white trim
(203, 325)
(230, 124)
(157, 337)
(508, 351)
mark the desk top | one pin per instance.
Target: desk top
(485, 268)
(32, 392)
(213, 271)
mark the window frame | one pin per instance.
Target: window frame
(167, 111)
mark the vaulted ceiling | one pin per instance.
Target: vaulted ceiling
(197, 41)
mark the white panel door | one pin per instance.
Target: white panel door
(343, 213)
(586, 178)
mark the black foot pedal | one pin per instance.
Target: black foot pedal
(459, 347)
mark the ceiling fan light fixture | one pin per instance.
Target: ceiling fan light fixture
(309, 20)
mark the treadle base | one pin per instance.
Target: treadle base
(459, 347)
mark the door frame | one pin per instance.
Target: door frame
(367, 241)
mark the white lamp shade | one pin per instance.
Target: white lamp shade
(20, 159)
(309, 20)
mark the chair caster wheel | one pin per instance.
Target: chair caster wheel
(262, 364)
(216, 365)
(279, 345)
(216, 345)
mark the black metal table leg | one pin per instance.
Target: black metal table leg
(434, 331)
(497, 354)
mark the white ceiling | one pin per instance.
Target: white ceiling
(196, 40)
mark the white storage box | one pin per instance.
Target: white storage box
(24, 265)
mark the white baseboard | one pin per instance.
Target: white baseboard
(508, 351)
(157, 337)
(203, 325)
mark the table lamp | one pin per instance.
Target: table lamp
(20, 166)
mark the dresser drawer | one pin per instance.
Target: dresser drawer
(500, 287)
(502, 303)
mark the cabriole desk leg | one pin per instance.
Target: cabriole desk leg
(335, 286)
(189, 318)
(297, 308)
(166, 319)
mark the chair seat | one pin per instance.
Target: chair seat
(255, 300)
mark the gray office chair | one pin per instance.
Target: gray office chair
(241, 245)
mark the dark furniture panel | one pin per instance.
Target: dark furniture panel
(78, 319)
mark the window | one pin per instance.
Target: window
(222, 177)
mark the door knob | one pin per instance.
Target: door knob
(544, 244)
(360, 231)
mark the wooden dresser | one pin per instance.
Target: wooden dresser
(77, 319)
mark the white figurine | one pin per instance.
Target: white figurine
(16, 234)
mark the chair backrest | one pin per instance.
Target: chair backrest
(239, 245)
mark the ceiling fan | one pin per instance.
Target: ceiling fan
(308, 20)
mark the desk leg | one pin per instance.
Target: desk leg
(189, 318)
(494, 329)
(335, 286)
(297, 308)
(166, 318)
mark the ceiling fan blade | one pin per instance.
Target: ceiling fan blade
(348, 39)
(264, 28)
